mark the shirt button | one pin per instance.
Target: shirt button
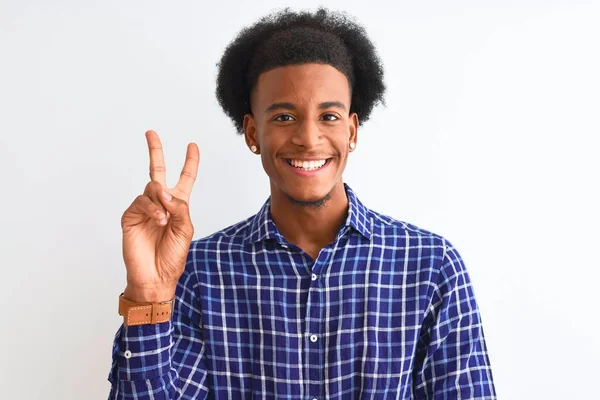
(127, 354)
(313, 338)
(313, 277)
(284, 246)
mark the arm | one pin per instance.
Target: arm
(167, 359)
(452, 360)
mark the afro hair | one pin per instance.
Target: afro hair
(289, 38)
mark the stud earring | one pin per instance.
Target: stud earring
(253, 148)
(352, 145)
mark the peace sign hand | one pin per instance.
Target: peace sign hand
(157, 229)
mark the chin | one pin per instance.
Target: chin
(307, 195)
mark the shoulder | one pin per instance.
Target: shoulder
(224, 245)
(383, 226)
(232, 235)
(420, 242)
(435, 257)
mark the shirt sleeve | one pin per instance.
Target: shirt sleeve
(452, 360)
(165, 360)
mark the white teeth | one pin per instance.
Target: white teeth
(308, 165)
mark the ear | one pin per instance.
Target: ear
(353, 127)
(250, 132)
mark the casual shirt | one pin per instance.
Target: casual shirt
(386, 311)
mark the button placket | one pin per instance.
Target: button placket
(315, 313)
(314, 328)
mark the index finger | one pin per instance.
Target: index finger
(190, 170)
(157, 158)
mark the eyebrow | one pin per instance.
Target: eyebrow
(291, 106)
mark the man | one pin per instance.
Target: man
(316, 296)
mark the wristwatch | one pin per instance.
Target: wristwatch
(144, 313)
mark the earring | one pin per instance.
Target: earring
(352, 145)
(253, 149)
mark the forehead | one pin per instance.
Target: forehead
(301, 84)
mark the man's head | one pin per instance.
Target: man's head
(297, 85)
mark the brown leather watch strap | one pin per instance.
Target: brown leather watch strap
(144, 313)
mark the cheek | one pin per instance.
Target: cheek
(343, 160)
(344, 156)
(272, 141)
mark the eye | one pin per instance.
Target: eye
(327, 117)
(283, 118)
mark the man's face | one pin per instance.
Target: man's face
(302, 128)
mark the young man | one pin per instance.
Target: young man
(316, 296)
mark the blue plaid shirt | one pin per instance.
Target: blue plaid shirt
(386, 311)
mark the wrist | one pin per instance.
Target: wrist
(149, 294)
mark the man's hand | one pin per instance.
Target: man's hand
(157, 229)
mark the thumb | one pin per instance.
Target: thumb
(176, 207)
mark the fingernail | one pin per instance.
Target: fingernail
(167, 195)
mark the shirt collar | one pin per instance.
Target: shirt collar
(358, 214)
(262, 226)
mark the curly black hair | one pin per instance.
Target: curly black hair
(285, 38)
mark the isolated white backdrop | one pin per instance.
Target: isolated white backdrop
(489, 138)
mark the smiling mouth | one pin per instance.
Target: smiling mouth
(311, 165)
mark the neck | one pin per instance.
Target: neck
(310, 228)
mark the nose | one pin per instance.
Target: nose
(308, 134)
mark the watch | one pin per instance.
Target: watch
(144, 313)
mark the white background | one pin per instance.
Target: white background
(489, 138)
